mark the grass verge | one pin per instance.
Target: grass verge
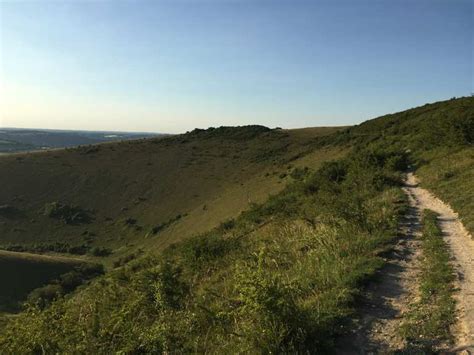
(429, 319)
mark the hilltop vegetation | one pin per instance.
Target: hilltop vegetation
(432, 126)
(440, 138)
(235, 272)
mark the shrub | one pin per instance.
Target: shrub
(78, 249)
(66, 283)
(9, 211)
(43, 296)
(70, 280)
(267, 312)
(158, 228)
(199, 251)
(227, 225)
(67, 213)
(101, 251)
(299, 173)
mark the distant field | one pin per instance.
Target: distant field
(20, 273)
(20, 139)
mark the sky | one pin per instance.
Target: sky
(171, 66)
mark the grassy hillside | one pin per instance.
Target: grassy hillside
(440, 139)
(450, 174)
(147, 192)
(282, 276)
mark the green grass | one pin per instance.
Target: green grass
(206, 176)
(449, 173)
(440, 139)
(274, 244)
(282, 276)
(427, 325)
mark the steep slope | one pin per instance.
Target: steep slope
(440, 138)
(109, 201)
(280, 277)
(153, 191)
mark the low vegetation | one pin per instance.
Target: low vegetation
(58, 247)
(439, 137)
(67, 213)
(427, 325)
(282, 276)
(449, 173)
(64, 284)
(238, 271)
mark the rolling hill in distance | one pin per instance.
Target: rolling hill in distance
(20, 139)
(192, 242)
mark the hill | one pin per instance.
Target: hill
(283, 273)
(108, 202)
(440, 137)
(146, 192)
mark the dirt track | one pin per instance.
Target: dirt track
(462, 248)
(395, 288)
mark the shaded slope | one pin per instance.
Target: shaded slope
(20, 273)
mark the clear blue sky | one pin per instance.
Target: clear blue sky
(170, 66)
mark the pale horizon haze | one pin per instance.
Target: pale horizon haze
(171, 66)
